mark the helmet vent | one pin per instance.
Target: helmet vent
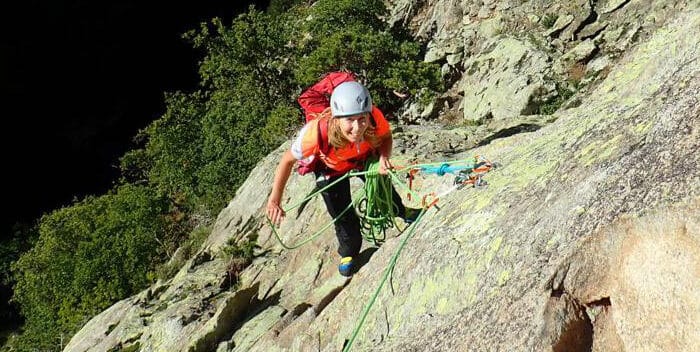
(350, 98)
(362, 102)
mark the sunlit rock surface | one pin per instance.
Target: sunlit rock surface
(586, 237)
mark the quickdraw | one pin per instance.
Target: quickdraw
(430, 200)
(469, 174)
(474, 176)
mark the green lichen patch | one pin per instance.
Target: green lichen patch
(599, 151)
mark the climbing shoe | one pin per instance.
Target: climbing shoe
(411, 214)
(345, 267)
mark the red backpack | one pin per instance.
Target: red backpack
(313, 101)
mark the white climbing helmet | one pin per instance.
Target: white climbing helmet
(350, 98)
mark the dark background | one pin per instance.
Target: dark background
(79, 79)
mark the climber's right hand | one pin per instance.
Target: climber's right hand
(275, 212)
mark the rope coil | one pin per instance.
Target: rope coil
(377, 208)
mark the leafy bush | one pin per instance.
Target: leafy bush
(279, 7)
(21, 237)
(239, 255)
(173, 153)
(88, 256)
(331, 16)
(349, 35)
(549, 20)
(551, 106)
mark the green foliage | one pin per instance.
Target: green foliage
(87, 257)
(234, 130)
(549, 20)
(133, 166)
(349, 35)
(21, 237)
(279, 7)
(552, 105)
(207, 142)
(173, 152)
(331, 16)
(414, 77)
(244, 249)
(252, 52)
(240, 255)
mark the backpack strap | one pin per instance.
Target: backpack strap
(324, 147)
(323, 143)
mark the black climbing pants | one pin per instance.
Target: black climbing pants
(347, 228)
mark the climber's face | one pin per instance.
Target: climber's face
(353, 127)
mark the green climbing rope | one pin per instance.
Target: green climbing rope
(377, 208)
(387, 272)
(312, 195)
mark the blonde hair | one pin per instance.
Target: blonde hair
(335, 134)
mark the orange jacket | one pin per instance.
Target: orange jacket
(339, 160)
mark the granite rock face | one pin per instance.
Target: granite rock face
(587, 237)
